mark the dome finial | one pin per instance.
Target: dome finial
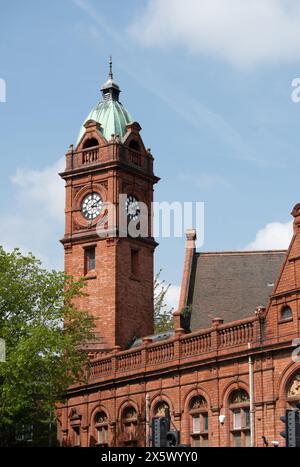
(110, 74)
(110, 89)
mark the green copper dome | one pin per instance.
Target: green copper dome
(110, 113)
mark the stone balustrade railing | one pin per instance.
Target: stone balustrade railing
(199, 345)
(108, 153)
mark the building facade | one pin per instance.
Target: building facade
(229, 369)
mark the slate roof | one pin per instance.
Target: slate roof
(230, 285)
(155, 338)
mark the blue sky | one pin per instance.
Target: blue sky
(209, 83)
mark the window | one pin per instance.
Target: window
(134, 262)
(286, 312)
(90, 143)
(101, 425)
(237, 440)
(199, 421)
(90, 255)
(161, 409)
(240, 418)
(129, 421)
(134, 145)
(76, 436)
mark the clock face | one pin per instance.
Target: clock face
(132, 208)
(91, 206)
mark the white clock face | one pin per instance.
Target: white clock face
(91, 206)
(132, 208)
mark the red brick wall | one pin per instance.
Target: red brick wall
(121, 304)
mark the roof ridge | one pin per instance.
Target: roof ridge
(240, 252)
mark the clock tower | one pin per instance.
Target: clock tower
(109, 187)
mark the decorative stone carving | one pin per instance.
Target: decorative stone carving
(294, 387)
(239, 396)
(101, 418)
(198, 403)
(129, 413)
(160, 409)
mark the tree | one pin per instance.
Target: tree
(43, 333)
(163, 315)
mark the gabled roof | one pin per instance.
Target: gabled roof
(230, 285)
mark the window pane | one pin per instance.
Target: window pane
(102, 435)
(237, 440)
(205, 441)
(196, 424)
(90, 259)
(196, 442)
(77, 436)
(247, 418)
(286, 312)
(248, 439)
(205, 422)
(237, 420)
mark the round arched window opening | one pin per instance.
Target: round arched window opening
(239, 405)
(161, 409)
(134, 145)
(129, 422)
(90, 143)
(198, 411)
(101, 426)
(286, 312)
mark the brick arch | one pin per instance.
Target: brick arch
(192, 393)
(161, 397)
(96, 409)
(134, 136)
(92, 431)
(229, 388)
(286, 376)
(93, 130)
(124, 405)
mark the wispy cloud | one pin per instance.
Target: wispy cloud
(41, 191)
(242, 33)
(205, 181)
(274, 236)
(36, 221)
(185, 106)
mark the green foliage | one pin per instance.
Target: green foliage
(43, 332)
(163, 316)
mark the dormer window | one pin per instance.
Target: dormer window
(90, 143)
(286, 312)
(134, 145)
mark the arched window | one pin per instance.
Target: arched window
(198, 414)
(129, 421)
(239, 405)
(101, 426)
(90, 143)
(293, 390)
(134, 145)
(286, 312)
(161, 409)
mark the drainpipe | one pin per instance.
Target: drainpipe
(147, 420)
(251, 389)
